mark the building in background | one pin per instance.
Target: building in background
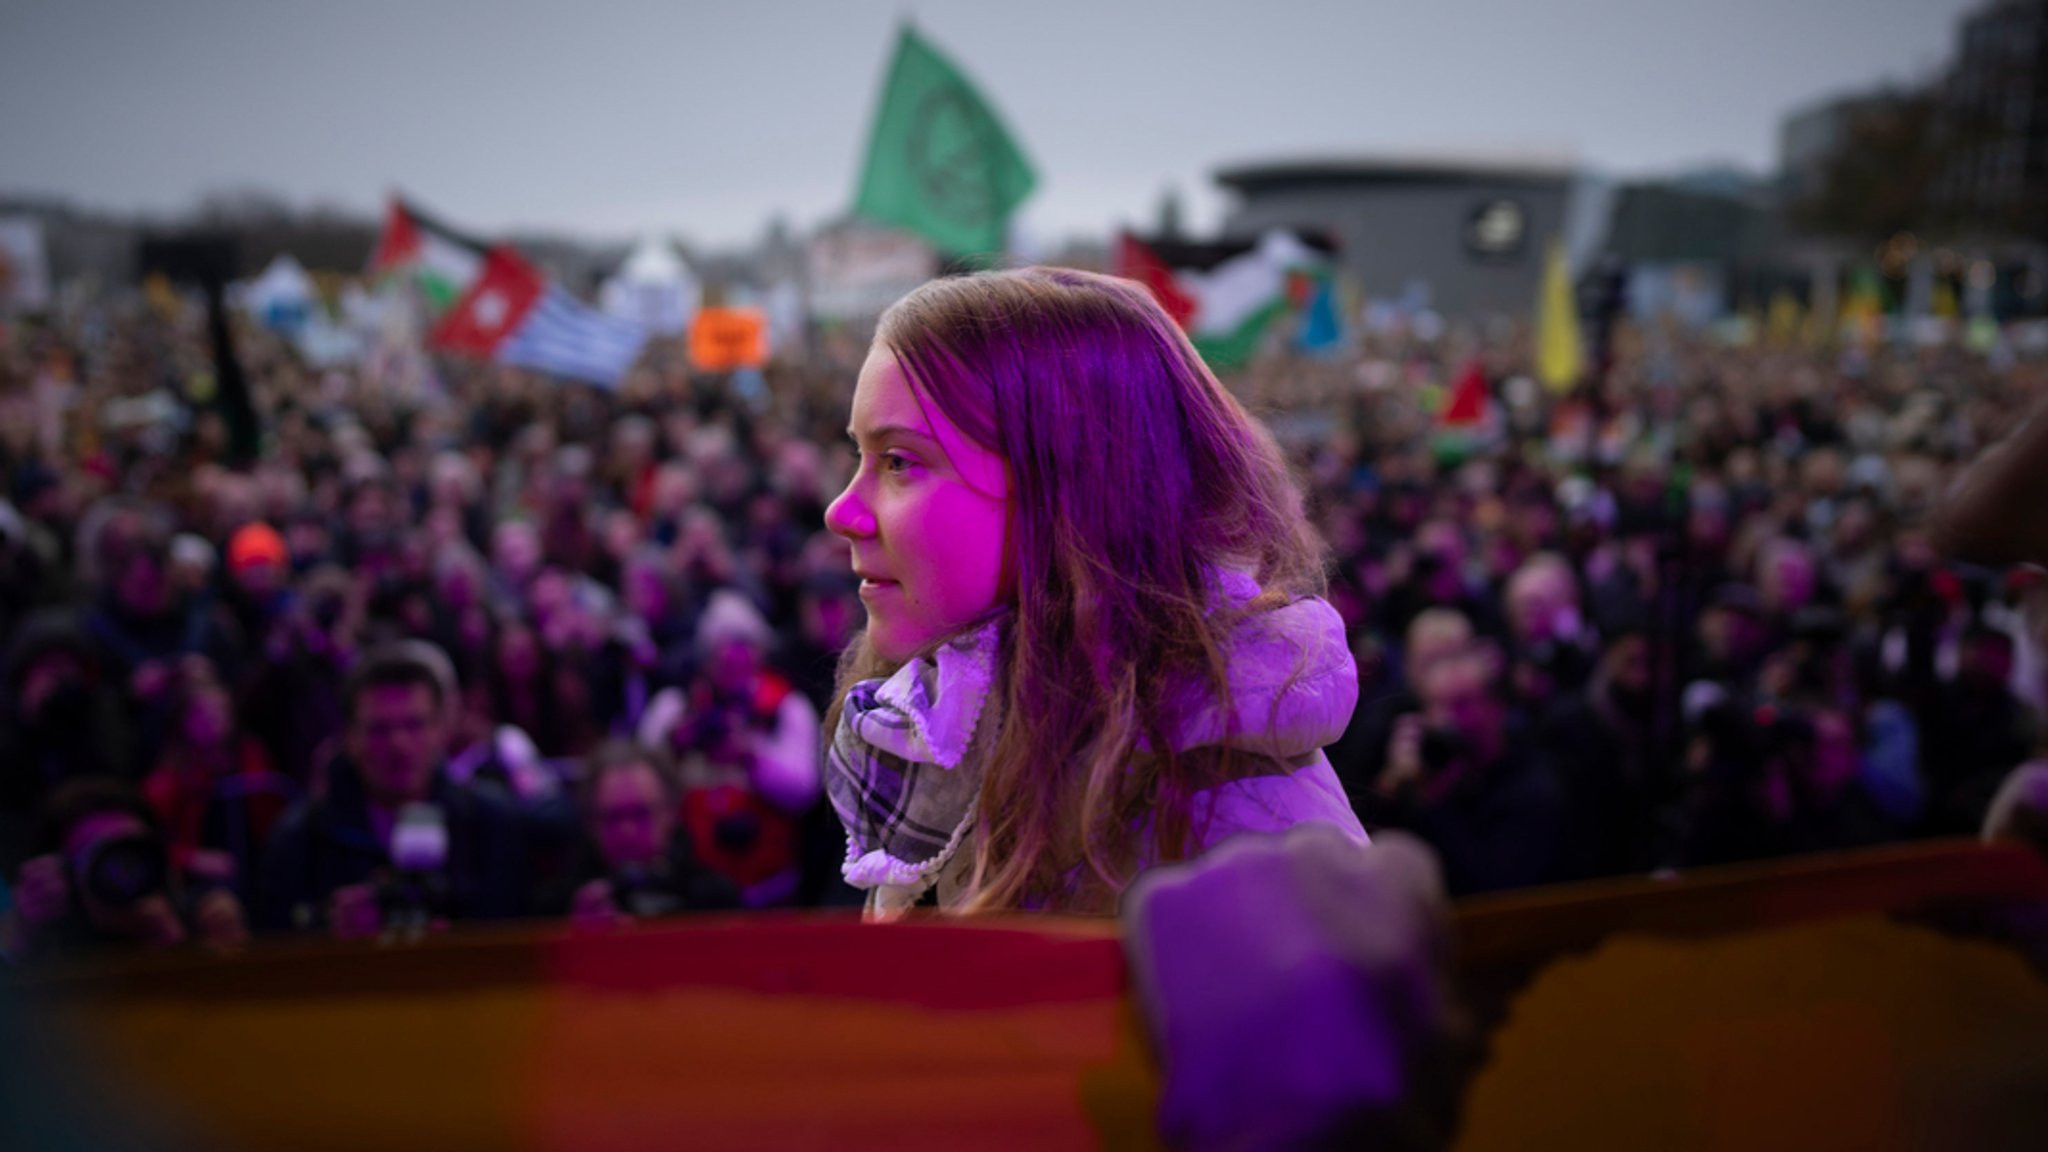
(1811, 137)
(1991, 123)
(1473, 232)
(1941, 184)
(1699, 244)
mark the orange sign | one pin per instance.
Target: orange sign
(723, 339)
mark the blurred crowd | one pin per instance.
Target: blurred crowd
(461, 643)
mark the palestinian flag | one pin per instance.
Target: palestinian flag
(512, 314)
(1322, 322)
(1136, 260)
(441, 261)
(1462, 422)
(1466, 407)
(1227, 296)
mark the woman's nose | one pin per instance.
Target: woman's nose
(848, 516)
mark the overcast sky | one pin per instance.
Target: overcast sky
(612, 119)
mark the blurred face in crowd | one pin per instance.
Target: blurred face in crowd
(1985, 661)
(632, 446)
(1856, 528)
(460, 586)
(733, 666)
(1821, 472)
(234, 500)
(515, 549)
(306, 538)
(396, 738)
(1730, 636)
(454, 480)
(1459, 694)
(518, 653)
(646, 590)
(630, 816)
(549, 596)
(828, 618)
(1834, 755)
(621, 534)
(1626, 666)
(208, 716)
(1440, 560)
(927, 514)
(1786, 577)
(141, 584)
(1542, 603)
(369, 514)
(1434, 634)
(49, 674)
(258, 579)
(674, 489)
(1532, 522)
(1441, 541)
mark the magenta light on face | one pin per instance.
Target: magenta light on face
(927, 514)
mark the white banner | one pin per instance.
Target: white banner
(24, 270)
(858, 271)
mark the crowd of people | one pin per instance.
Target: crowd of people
(461, 643)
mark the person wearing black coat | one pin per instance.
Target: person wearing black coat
(392, 839)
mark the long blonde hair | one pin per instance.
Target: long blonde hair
(1135, 477)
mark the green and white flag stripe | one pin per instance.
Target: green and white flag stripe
(441, 261)
(1238, 299)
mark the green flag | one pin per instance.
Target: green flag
(940, 162)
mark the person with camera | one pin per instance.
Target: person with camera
(748, 742)
(293, 693)
(393, 843)
(102, 880)
(1602, 743)
(142, 622)
(1550, 645)
(212, 787)
(1360, 755)
(61, 719)
(638, 860)
(1457, 777)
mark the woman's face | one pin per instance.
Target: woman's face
(208, 717)
(927, 513)
(518, 654)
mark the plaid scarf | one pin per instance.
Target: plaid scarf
(897, 771)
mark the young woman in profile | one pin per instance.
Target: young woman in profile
(1095, 637)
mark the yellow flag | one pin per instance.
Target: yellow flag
(162, 298)
(1863, 313)
(1786, 319)
(1821, 326)
(1945, 300)
(1560, 360)
(1745, 328)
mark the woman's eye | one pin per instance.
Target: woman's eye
(896, 462)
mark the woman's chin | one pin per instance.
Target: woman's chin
(887, 647)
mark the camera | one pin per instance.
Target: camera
(736, 833)
(714, 728)
(416, 892)
(122, 871)
(1442, 747)
(638, 890)
(326, 612)
(1544, 656)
